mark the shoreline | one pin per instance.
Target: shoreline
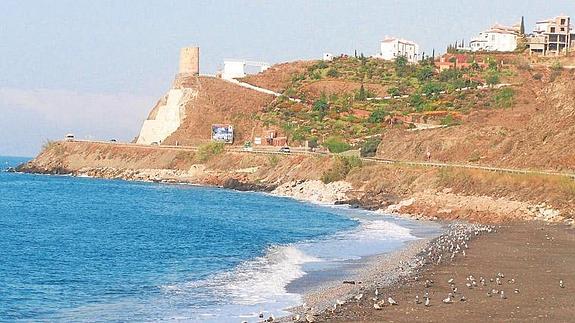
(363, 310)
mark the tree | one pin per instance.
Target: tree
(425, 73)
(522, 28)
(369, 148)
(361, 95)
(400, 66)
(321, 105)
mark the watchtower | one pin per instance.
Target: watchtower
(189, 61)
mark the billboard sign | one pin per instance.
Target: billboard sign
(223, 133)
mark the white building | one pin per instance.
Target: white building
(391, 48)
(327, 57)
(498, 38)
(237, 68)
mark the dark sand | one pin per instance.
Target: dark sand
(536, 255)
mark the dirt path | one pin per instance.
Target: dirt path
(532, 258)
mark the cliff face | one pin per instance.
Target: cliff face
(185, 115)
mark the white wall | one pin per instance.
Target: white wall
(168, 117)
(233, 69)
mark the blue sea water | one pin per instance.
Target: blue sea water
(82, 249)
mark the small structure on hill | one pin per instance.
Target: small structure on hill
(498, 38)
(392, 48)
(234, 68)
(448, 61)
(552, 36)
(170, 111)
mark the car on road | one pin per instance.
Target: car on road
(70, 137)
(113, 140)
(285, 150)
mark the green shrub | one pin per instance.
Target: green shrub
(332, 72)
(393, 91)
(369, 148)
(449, 121)
(377, 115)
(492, 78)
(504, 97)
(432, 87)
(336, 145)
(425, 73)
(341, 166)
(209, 150)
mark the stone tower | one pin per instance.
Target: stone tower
(189, 61)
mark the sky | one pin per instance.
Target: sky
(96, 68)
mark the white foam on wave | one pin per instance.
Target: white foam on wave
(260, 284)
(253, 286)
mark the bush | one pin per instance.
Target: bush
(504, 97)
(492, 78)
(430, 88)
(393, 91)
(377, 115)
(209, 150)
(332, 72)
(336, 145)
(341, 166)
(449, 121)
(369, 148)
(425, 73)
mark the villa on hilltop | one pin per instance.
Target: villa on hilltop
(392, 48)
(498, 38)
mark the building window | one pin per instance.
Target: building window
(562, 21)
(552, 29)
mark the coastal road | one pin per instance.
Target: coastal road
(304, 151)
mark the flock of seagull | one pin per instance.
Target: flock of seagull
(451, 244)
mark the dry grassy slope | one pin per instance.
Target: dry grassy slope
(278, 77)
(219, 101)
(538, 132)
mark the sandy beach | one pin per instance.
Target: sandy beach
(517, 272)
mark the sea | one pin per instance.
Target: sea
(93, 250)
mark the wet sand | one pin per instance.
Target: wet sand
(530, 258)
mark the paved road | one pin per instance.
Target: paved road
(303, 151)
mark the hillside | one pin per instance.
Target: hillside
(217, 102)
(528, 123)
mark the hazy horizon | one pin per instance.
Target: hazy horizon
(97, 68)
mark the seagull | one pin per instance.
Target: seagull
(448, 299)
(450, 281)
(358, 297)
(391, 301)
(561, 284)
(503, 295)
(376, 306)
(427, 284)
(516, 291)
(376, 292)
(498, 281)
(417, 301)
(426, 295)
(427, 302)
(468, 285)
(463, 299)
